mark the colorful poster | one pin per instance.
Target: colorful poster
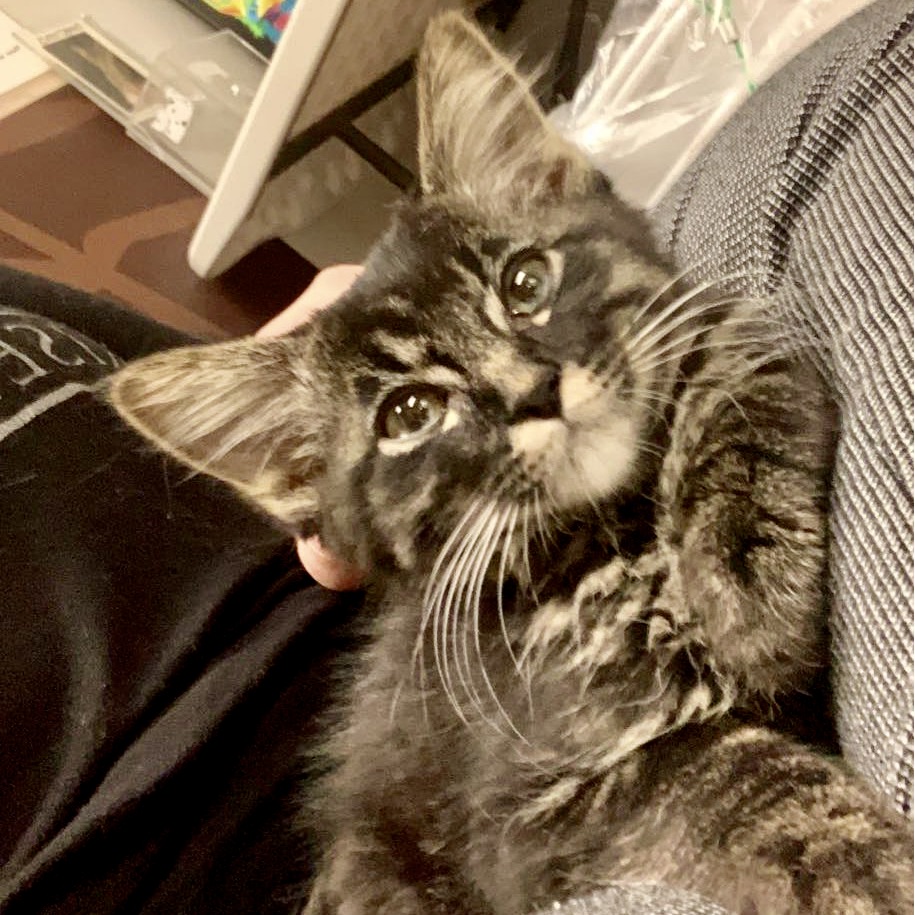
(260, 22)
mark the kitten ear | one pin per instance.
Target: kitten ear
(237, 411)
(481, 132)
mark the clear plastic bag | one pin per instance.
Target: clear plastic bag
(667, 73)
(194, 102)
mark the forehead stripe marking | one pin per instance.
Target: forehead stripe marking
(466, 257)
(383, 359)
(395, 323)
(440, 357)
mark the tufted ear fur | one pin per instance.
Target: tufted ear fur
(482, 134)
(242, 411)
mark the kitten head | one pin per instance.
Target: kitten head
(483, 365)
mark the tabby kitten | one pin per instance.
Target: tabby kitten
(593, 500)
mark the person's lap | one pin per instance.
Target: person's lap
(162, 651)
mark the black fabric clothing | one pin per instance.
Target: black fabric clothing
(163, 655)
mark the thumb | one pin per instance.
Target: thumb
(328, 569)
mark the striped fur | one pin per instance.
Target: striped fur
(598, 573)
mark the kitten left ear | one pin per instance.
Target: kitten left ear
(482, 134)
(236, 411)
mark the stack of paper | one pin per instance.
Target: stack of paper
(24, 76)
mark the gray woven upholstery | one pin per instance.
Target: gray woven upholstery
(808, 190)
(637, 899)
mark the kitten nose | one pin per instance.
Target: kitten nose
(542, 401)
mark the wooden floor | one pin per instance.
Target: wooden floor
(82, 204)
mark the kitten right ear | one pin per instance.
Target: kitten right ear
(482, 134)
(241, 411)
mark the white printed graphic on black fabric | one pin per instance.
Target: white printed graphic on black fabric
(43, 364)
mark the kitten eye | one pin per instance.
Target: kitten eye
(527, 283)
(411, 411)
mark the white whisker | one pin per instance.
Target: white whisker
(657, 295)
(503, 562)
(520, 669)
(650, 448)
(540, 530)
(525, 541)
(671, 354)
(670, 309)
(468, 601)
(637, 348)
(453, 582)
(433, 583)
(719, 346)
(492, 543)
(439, 607)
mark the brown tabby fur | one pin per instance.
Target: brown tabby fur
(596, 580)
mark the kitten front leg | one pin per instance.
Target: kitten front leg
(781, 830)
(359, 877)
(746, 494)
(380, 870)
(737, 814)
(634, 654)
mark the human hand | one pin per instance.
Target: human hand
(323, 566)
